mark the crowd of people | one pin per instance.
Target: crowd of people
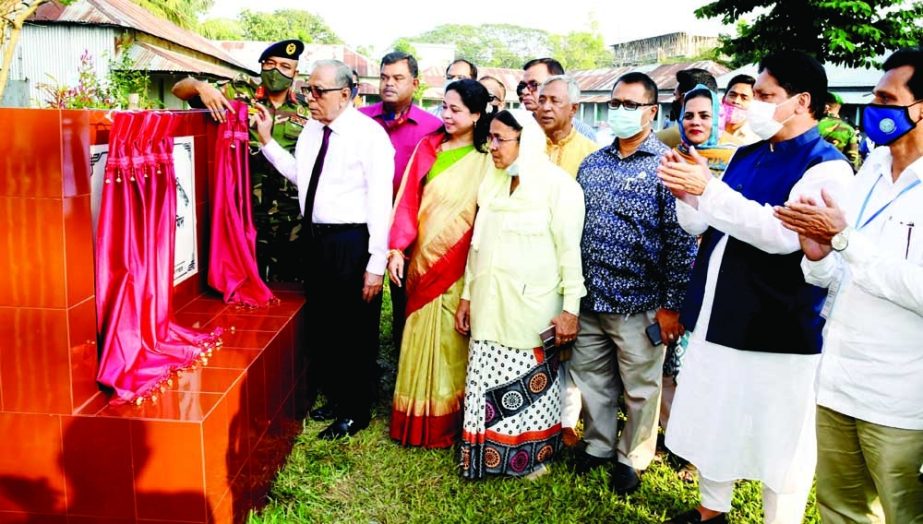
(729, 279)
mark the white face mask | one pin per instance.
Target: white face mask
(761, 117)
(625, 123)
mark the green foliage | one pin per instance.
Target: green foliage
(491, 45)
(581, 50)
(116, 92)
(89, 93)
(221, 29)
(404, 46)
(284, 24)
(184, 13)
(507, 45)
(124, 81)
(853, 33)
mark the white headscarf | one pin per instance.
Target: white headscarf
(532, 156)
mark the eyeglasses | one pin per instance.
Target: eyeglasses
(499, 140)
(318, 92)
(492, 98)
(531, 85)
(629, 105)
(452, 78)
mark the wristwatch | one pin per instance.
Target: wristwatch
(840, 241)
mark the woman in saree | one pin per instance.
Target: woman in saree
(524, 276)
(433, 217)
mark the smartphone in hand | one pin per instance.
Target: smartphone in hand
(653, 334)
(547, 337)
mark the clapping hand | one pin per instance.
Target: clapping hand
(815, 224)
(682, 178)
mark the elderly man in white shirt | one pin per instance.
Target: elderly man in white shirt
(343, 166)
(870, 402)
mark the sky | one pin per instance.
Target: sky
(363, 22)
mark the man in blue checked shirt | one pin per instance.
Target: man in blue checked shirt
(636, 263)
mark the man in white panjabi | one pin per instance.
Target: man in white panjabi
(744, 406)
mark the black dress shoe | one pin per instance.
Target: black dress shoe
(325, 412)
(625, 480)
(341, 427)
(694, 517)
(584, 463)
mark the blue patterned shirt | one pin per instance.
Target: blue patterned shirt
(636, 257)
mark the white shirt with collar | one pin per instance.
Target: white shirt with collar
(872, 361)
(355, 186)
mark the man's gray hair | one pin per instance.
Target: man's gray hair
(343, 73)
(573, 90)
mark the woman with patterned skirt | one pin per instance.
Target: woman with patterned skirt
(523, 275)
(433, 215)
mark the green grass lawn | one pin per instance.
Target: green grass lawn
(368, 478)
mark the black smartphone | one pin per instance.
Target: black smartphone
(653, 334)
(547, 336)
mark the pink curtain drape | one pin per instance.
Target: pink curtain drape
(232, 267)
(142, 346)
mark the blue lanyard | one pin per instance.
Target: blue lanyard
(869, 196)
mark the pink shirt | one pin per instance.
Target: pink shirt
(404, 137)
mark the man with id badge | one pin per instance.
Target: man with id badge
(866, 251)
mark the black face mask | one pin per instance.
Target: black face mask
(675, 107)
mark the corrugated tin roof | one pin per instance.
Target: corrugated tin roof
(123, 13)
(838, 77)
(150, 57)
(664, 75)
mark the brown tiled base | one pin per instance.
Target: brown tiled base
(206, 451)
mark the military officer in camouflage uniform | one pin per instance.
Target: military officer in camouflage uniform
(838, 132)
(275, 200)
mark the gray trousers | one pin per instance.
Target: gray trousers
(613, 355)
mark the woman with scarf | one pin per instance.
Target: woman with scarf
(699, 129)
(524, 275)
(433, 217)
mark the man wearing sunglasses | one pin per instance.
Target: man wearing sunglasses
(538, 70)
(275, 200)
(343, 166)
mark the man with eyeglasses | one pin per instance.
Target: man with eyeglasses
(636, 262)
(536, 71)
(275, 201)
(344, 167)
(405, 124)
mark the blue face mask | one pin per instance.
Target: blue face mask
(884, 124)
